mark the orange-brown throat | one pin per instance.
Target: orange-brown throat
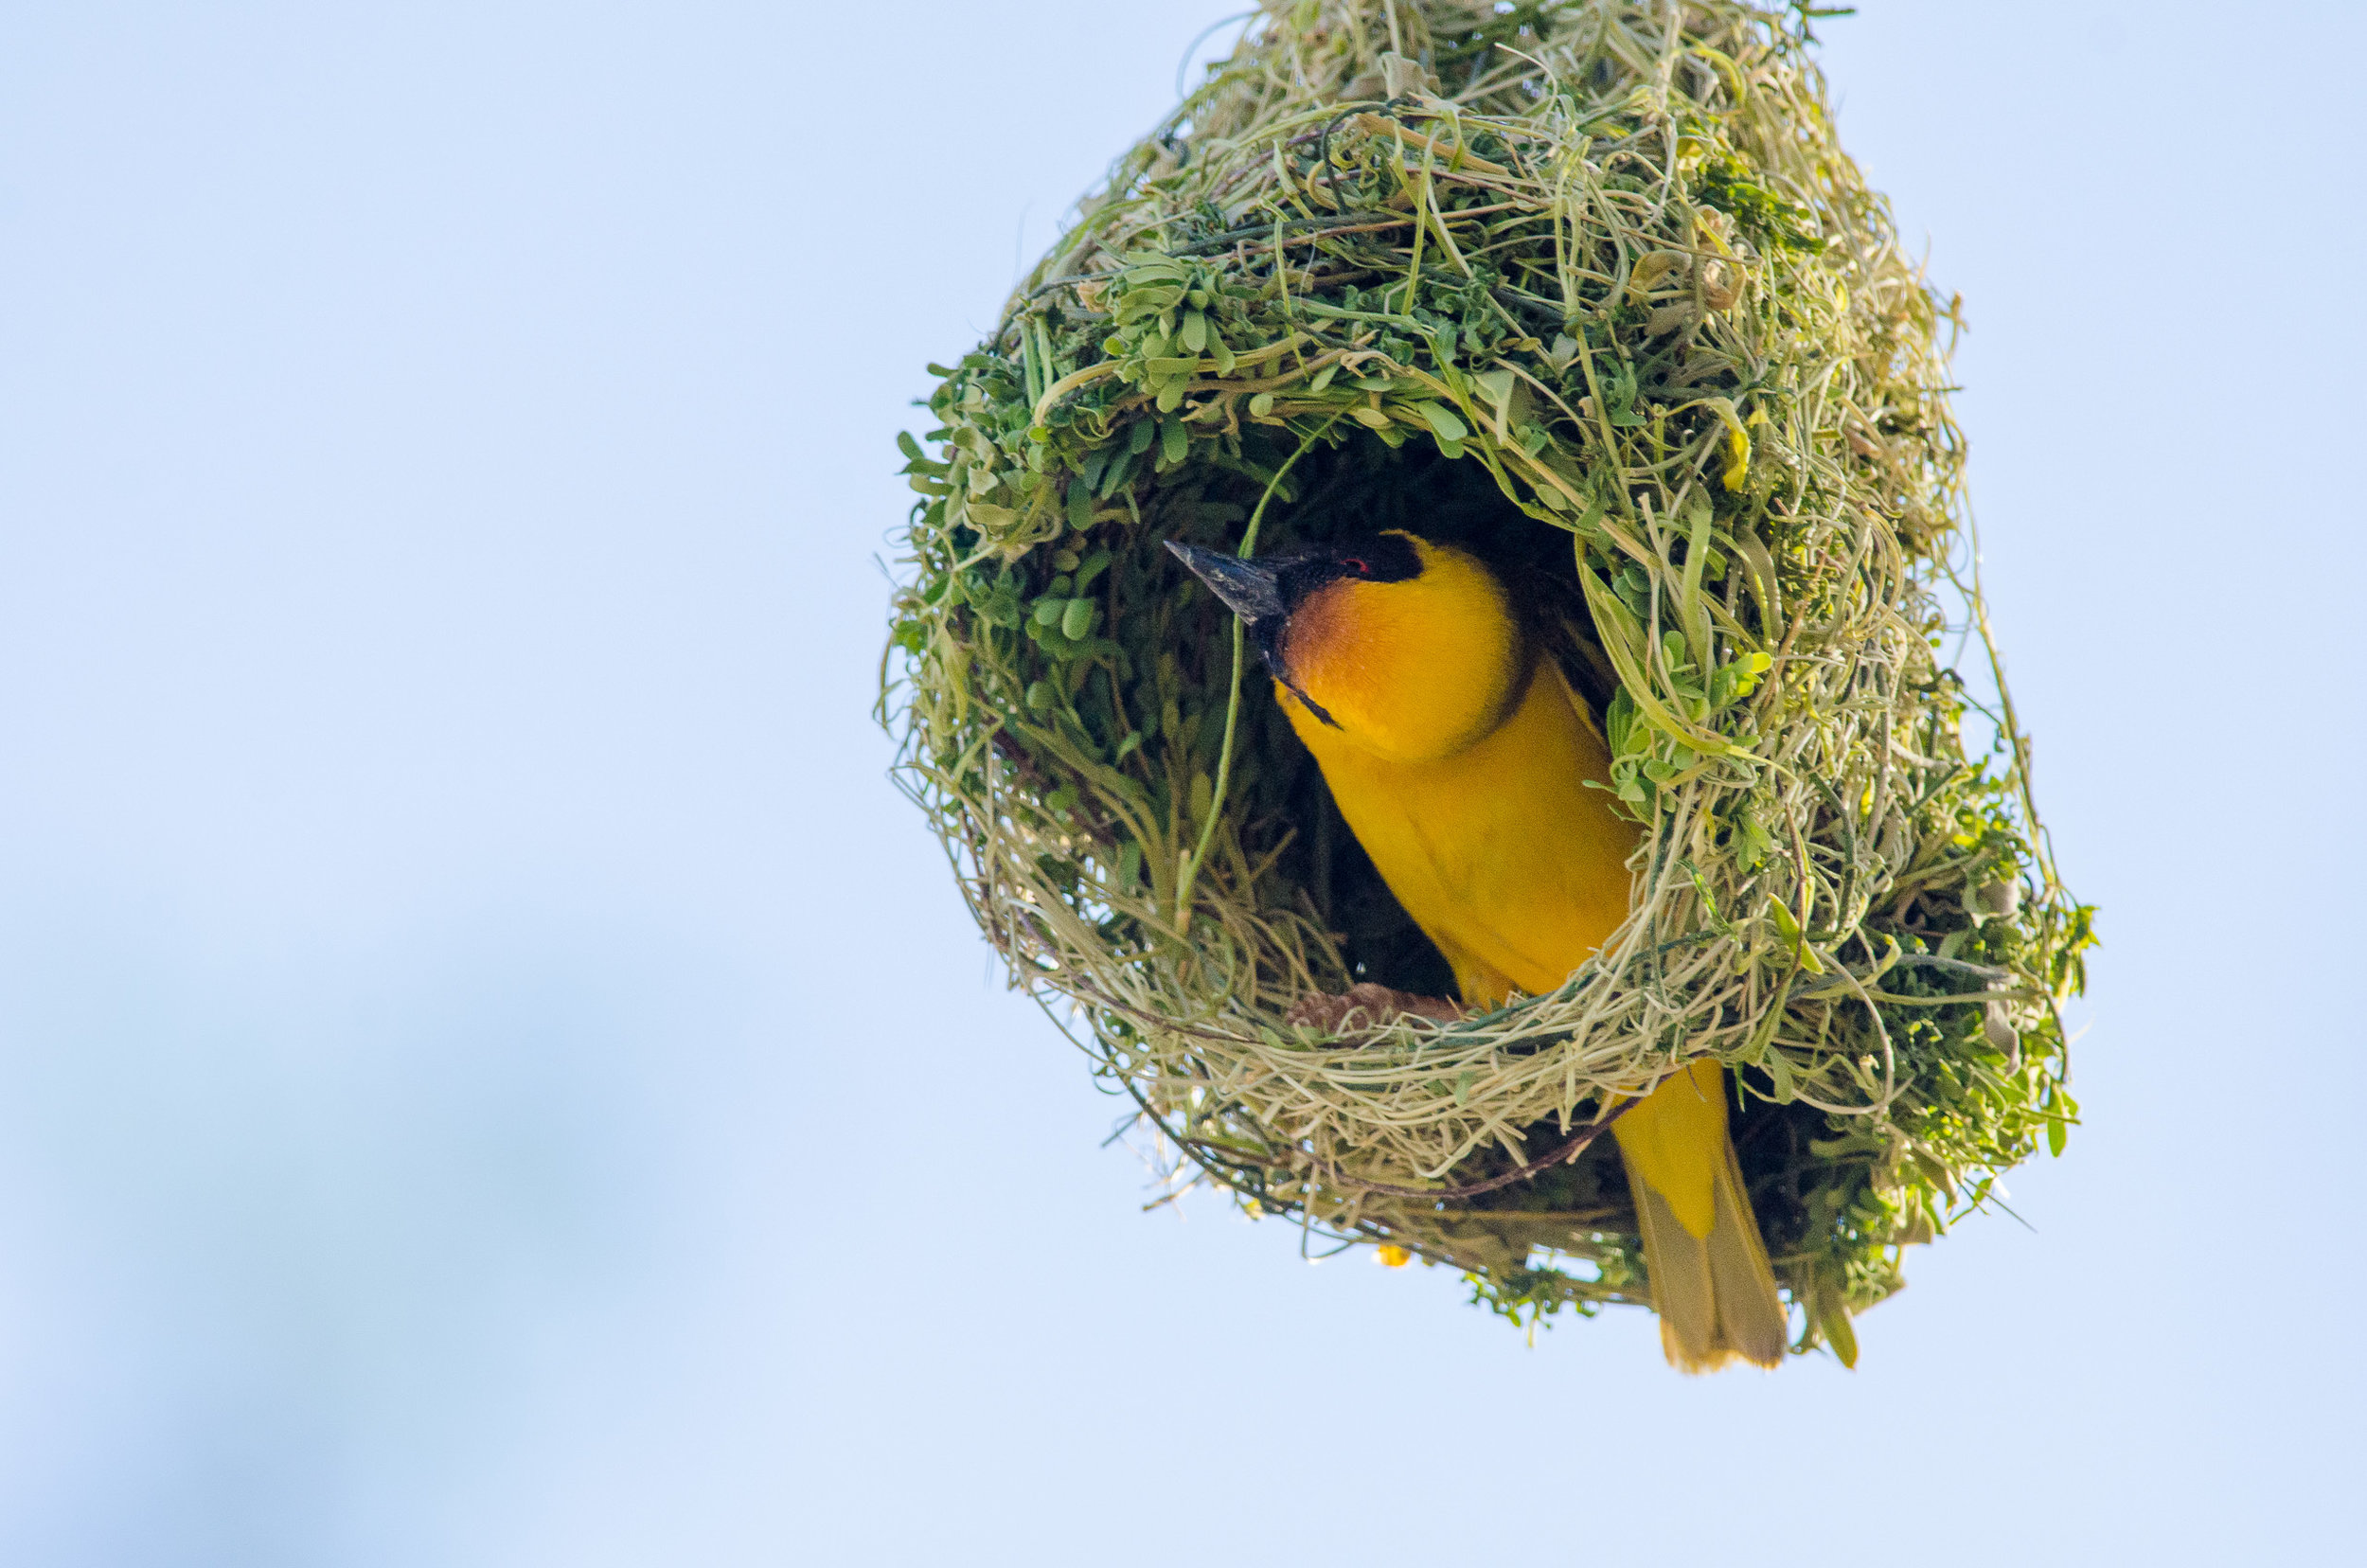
(1412, 670)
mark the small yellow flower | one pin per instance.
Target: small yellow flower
(1394, 1257)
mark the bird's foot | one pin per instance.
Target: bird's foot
(1367, 1005)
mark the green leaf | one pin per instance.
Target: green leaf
(1634, 590)
(1000, 607)
(1174, 441)
(1078, 619)
(1498, 384)
(1787, 926)
(1932, 1171)
(1081, 503)
(1195, 333)
(1119, 469)
(1150, 301)
(1833, 1317)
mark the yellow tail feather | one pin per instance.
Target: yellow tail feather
(1710, 1278)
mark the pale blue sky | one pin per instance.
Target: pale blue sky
(490, 1074)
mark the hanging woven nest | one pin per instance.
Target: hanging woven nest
(1591, 289)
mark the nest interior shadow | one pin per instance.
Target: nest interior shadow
(1591, 289)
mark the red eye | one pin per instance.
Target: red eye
(1357, 566)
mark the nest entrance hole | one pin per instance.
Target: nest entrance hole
(1361, 487)
(1364, 486)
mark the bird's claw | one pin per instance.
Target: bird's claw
(1367, 1005)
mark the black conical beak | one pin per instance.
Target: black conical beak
(1252, 589)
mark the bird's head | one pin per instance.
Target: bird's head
(1409, 649)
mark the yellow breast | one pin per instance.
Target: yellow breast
(1498, 851)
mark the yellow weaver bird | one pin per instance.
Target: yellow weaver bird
(1459, 757)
